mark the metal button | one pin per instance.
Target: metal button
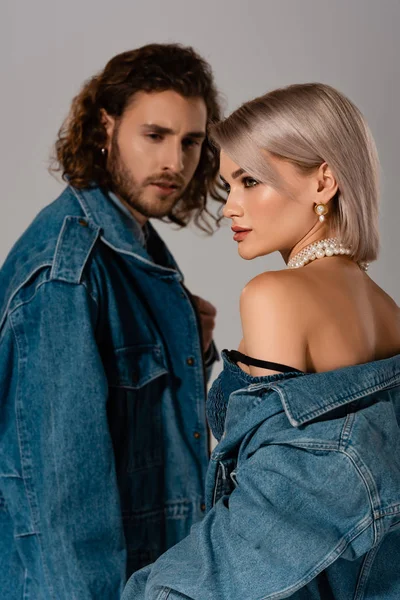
(202, 507)
(83, 222)
(197, 435)
(190, 361)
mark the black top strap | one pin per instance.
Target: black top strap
(237, 356)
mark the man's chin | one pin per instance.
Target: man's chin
(155, 212)
(157, 208)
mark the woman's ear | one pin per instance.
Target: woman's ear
(327, 184)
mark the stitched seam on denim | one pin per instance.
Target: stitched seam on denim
(361, 526)
(49, 281)
(165, 509)
(216, 485)
(339, 402)
(81, 202)
(311, 445)
(350, 536)
(145, 381)
(340, 547)
(388, 512)
(365, 572)
(164, 594)
(56, 253)
(4, 330)
(25, 590)
(28, 534)
(28, 299)
(18, 426)
(41, 266)
(88, 213)
(394, 526)
(285, 406)
(23, 467)
(256, 401)
(200, 375)
(371, 490)
(370, 487)
(140, 258)
(88, 254)
(346, 431)
(95, 300)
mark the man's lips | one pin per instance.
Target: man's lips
(240, 233)
(166, 186)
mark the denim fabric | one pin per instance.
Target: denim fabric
(230, 379)
(103, 436)
(302, 492)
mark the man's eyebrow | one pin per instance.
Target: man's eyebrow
(196, 134)
(168, 131)
(157, 129)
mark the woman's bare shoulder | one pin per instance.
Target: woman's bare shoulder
(273, 327)
(277, 289)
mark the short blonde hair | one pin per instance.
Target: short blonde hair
(309, 124)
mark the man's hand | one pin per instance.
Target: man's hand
(207, 313)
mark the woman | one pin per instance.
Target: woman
(303, 490)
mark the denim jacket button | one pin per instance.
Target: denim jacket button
(197, 435)
(190, 361)
(202, 507)
(83, 223)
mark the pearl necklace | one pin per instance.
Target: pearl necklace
(320, 249)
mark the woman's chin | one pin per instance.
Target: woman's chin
(246, 253)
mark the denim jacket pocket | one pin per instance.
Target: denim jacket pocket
(135, 366)
(137, 378)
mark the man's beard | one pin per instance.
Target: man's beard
(124, 185)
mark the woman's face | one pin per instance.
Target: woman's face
(263, 219)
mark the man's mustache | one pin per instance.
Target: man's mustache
(166, 180)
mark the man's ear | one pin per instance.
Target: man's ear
(109, 125)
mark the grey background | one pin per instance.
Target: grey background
(48, 48)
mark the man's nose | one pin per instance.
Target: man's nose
(172, 159)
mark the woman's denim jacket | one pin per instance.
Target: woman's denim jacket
(303, 493)
(103, 437)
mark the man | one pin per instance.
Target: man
(103, 351)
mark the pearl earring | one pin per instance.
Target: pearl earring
(321, 210)
(103, 151)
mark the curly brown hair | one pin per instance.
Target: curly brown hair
(155, 67)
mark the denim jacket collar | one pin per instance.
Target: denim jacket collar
(309, 396)
(118, 233)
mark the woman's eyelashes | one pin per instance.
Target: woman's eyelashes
(249, 182)
(246, 181)
(225, 185)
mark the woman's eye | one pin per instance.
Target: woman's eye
(226, 186)
(249, 182)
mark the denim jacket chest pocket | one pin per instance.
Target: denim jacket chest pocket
(137, 381)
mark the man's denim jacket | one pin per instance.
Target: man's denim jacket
(103, 437)
(303, 493)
